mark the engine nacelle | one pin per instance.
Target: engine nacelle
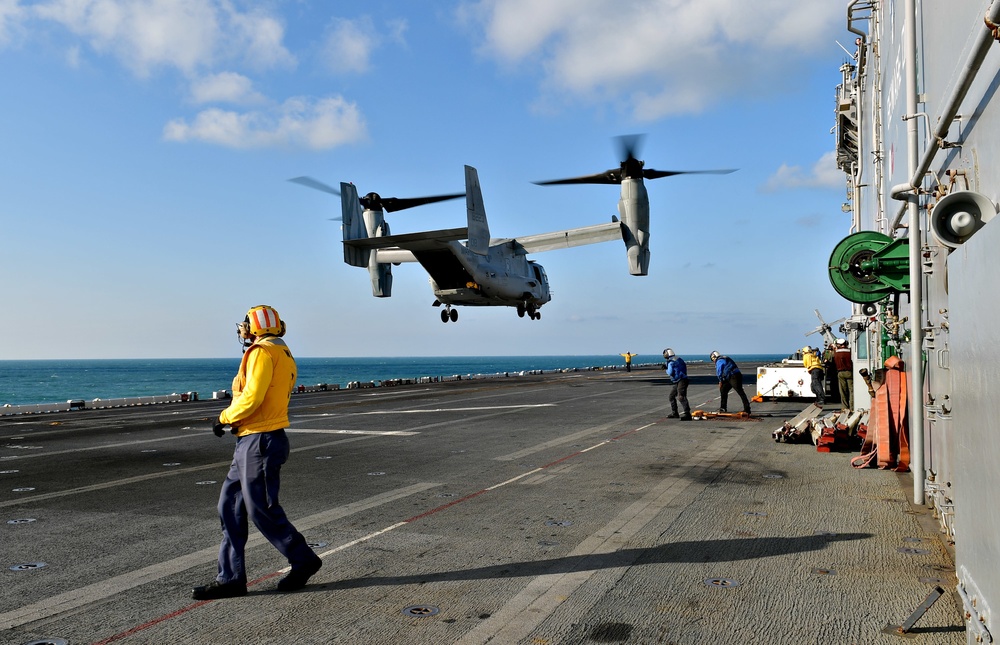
(633, 207)
(380, 272)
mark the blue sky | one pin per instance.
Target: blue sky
(145, 147)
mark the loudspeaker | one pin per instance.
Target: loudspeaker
(958, 216)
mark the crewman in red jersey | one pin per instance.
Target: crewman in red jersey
(845, 373)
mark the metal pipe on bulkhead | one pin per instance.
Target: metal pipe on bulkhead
(911, 193)
(916, 398)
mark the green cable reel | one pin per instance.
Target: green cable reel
(868, 266)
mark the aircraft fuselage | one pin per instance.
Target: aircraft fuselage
(500, 277)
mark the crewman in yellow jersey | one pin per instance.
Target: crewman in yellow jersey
(814, 367)
(258, 416)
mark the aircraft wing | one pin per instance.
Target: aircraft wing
(569, 238)
(423, 241)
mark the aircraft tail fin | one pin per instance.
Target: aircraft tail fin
(353, 226)
(479, 228)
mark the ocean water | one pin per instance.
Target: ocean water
(55, 381)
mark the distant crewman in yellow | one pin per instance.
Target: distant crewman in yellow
(814, 366)
(258, 416)
(628, 360)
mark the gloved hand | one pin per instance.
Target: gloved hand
(219, 428)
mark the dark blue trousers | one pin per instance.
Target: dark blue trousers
(735, 383)
(251, 492)
(818, 386)
(678, 394)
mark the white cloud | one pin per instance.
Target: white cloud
(11, 15)
(185, 34)
(225, 87)
(397, 30)
(824, 174)
(349, 45)
(692, 52)
(259, 36)
(299, 122)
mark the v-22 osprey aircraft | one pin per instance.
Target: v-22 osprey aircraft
(481, 272)
(484, 271)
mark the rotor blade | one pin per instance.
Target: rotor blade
(656, 174)
(391, 204)
(316, 184)
(629, 144)
(613, 176)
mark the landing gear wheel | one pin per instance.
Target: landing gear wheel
(453, 314)
(520, 311)
(444, 315)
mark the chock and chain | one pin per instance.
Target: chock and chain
(701, 415)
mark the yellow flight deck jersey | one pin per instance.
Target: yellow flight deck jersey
(261, 388)
(811, 362)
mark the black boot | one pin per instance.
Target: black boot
(299, 576)
(215, 590)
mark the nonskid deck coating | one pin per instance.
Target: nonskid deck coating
(555, 509)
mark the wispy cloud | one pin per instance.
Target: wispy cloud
(189, 35)
(823, 174)
(658, 57)
(216, 45)
(350, 43)
(225, 87)
(299, 122)
(11, 15)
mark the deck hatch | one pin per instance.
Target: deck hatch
(721, 582)
(27, 566)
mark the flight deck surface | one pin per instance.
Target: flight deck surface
(547, 509)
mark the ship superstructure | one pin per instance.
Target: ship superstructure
(918, 136)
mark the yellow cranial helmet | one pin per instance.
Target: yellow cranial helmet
(263, 320)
